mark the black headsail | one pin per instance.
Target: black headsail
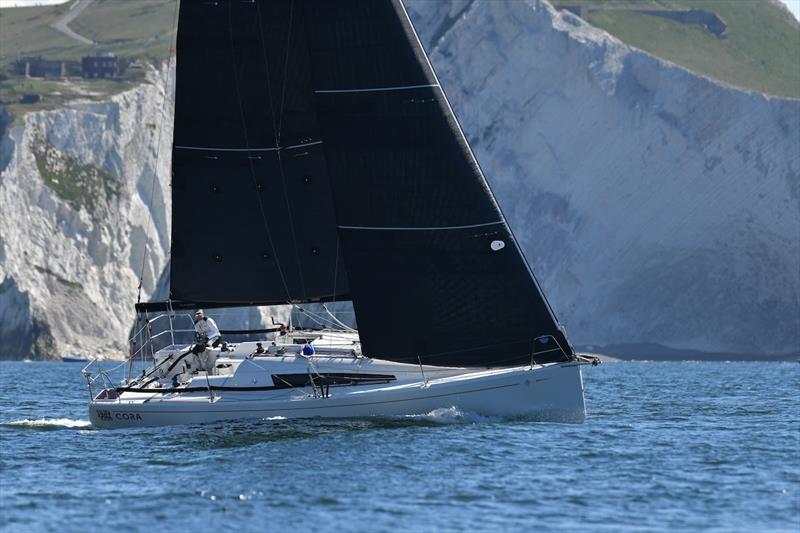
(311, 132)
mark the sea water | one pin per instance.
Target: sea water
(666, 446)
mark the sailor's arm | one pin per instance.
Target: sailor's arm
(213, 330)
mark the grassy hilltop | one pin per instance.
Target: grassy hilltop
(760, 52)
(141, 30)
(128, 28)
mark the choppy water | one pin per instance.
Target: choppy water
(667, 446)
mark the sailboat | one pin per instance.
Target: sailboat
(316, 159)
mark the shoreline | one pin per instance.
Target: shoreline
(659, 353)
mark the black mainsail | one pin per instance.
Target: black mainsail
(316, 158)
(253, 219)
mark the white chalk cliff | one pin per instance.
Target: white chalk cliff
(656, 206)
(70, 256)
(85, 196)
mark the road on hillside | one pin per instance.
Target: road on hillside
(75, 10)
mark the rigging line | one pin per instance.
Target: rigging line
(266, 69)
(277, 130)
(323, 321)
(335, 275)
(344, 326)
(335, 269)
(250, 161)
(158, 151)
(291, 226)
(335, 279)
(313, 317)
(285, 69)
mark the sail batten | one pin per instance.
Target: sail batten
(254, 149)
(375, 89)
(322, 161)
(429, 228)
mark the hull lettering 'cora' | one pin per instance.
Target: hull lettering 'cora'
(337, 171)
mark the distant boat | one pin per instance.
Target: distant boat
(316, 159)
(67, 359)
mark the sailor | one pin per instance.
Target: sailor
(206, 329)
(259, 348)
(206, 333)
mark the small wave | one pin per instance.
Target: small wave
(47, 424)
(451, 415)
(250, 437)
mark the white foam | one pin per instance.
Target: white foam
(30, 3)
(49, 422)
(451, 415)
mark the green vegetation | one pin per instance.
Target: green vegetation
(27, 31)
(79, 184)
(144, 29)
(761, 50)
(68, 283)
(141, 29)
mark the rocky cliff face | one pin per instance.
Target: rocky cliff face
(86, 208)
(83, 191)
(655, 205)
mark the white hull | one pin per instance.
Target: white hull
(552, 392)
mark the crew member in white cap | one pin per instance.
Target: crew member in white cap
(206, 334)
(205, 327)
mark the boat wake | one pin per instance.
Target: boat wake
(49, 424)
